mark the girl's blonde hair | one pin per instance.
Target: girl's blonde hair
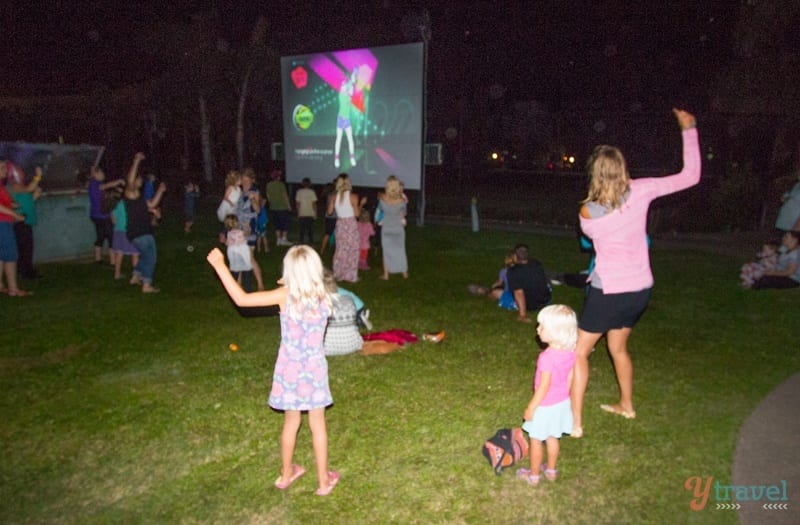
(231, 222)
(608, 177)
(561, 324)
(394, 190)
(343, 184)
(303, 275)
(231, 178)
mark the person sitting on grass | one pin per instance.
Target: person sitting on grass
(787, 272)
(529, 283)
(499, 291)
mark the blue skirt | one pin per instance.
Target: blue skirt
(550, 421)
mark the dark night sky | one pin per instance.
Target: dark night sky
(556, 52)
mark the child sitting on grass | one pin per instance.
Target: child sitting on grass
(766, 259)
(549, 414)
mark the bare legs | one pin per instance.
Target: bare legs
(319, 437)
(10, 271)
(580, 377)
(256, 269)
(623, 367)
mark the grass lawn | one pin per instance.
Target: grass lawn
(122, 408)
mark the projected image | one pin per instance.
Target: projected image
(357, 111)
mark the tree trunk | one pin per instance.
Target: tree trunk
(240, 119)
(205, 139)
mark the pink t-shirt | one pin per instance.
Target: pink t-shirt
(365, 231)
(559, 363)
(620, 238)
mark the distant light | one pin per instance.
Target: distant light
(495, 156)
(571, 159)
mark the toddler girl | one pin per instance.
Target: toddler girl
(766, 259)
(365, 232)
(239, 254)
(548, 414)
(300, 380)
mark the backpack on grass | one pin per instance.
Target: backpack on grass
(505, 448)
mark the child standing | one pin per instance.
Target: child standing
(304, 310)
(191, 192)
(306, 204)
(239, 254)
(548, 414)
(261, 230)
(766, 259)
(365, 232)
(120, 243)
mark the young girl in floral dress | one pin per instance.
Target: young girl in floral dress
(300, 380)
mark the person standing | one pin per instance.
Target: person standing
(614, 216)
(300, 381)
(347, 207)
(248, 208)
(306, 204)
(392, 208)
(104, 230)
(25, 195)
(280, 206)
(8, 241)
(140, 229)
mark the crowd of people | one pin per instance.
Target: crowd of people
(319, 318)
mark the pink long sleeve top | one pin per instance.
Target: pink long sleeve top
(620, 237)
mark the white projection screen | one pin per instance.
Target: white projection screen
(355, 111)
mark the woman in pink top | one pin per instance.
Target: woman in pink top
(614, 216)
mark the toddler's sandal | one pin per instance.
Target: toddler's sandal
(530, 479)
(550, 473)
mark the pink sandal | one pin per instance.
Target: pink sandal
(530, 479)
(297, 471)
(333, 479)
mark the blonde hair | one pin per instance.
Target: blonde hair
(608, 177)
(343, 184)
(394, 190)
(561, 324)
(330, 281)
(249, 173)
(231, 222)
(303, 276)
(231, 178)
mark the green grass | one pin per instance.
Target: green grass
(123, 408)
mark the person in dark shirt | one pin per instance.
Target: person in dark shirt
(529, 283)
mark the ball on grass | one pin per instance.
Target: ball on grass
(233, 347)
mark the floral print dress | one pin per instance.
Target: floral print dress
(300, 380)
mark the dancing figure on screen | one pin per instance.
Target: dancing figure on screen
(344, 119)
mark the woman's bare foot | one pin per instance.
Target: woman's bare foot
(148, 288)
